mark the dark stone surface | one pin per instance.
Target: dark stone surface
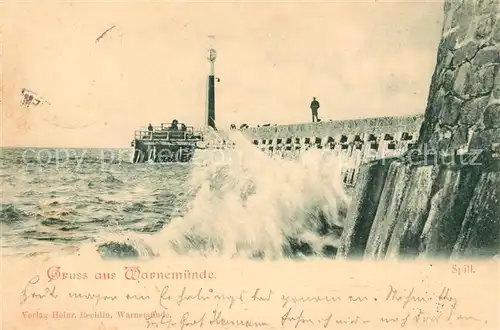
(481, 80)
(421, 211)
(484, 139)
(472, 110)
(461, 79)
(485, 26)
(449, 42)
(444, 136)
(495, 33)
(487, 56)
(452, 192)
(462, 18)
(492, 116)
(405, 239)
(465, 53)
(495, 93)
(386, 217)
(434, 108)
(460, 139)
(363, 208)
(448, 79)
(487, 6)
(450, 111)
(480, 232)
(435, 138)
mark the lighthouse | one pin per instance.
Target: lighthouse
(210, 120)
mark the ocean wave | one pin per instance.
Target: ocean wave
(53, 222)
(240, 204)
(123, 250)
(109, 180)
(136, 206)
(52, 236)
(257, 207)
(9, 213)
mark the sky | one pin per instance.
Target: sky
(359, 59)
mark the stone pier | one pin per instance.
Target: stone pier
(442, 199)
(354, 141)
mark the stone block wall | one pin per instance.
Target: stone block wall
(463, 109)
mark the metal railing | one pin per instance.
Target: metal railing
(159, 133)
(165, 127)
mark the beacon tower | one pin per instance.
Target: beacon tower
(210, 113)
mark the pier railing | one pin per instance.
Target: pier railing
(164, 134)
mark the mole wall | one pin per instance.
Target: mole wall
(355, 141)
(442, 201)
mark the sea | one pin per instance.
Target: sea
(235, 203)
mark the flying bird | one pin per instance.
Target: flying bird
(104, 33)
(31, 98)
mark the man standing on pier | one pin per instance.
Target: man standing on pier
(314, 109)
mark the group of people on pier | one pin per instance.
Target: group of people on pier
(174, 126)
